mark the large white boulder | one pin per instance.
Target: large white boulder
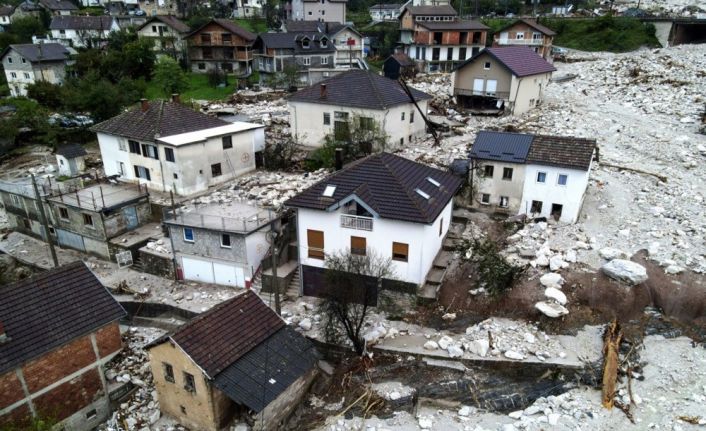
(455, 351)
(610, 253)
(478, 347)
(551, 279)
(555, 294)
(556, 263)
(431, 345)
(551, 309)
(625, 270)
(444, 342)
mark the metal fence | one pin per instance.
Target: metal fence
(225, 224)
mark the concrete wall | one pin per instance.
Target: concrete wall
(550, 192)
(157, 263)
(325, 10)
(424, 240)
(497, 186)
(275, 415)
(527, 92)
(307, 122)
(207, 243)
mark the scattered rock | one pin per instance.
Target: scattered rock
(551, 279)
(431, 345)
(625, 270)
(551, 309)
(555, 294)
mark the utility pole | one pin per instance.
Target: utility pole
(43, 219)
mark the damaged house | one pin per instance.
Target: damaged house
(536, 175)
(509, 79)
(399, 208)
(237, 360)
(58, 330)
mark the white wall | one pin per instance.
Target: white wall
(256, 246)
(307, 122)
(550, 192)
(527, 92)
(424, 240)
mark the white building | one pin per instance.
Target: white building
(536, 175)
(168, 33)
(70, 159)
(28, 63)
(82, 31)
(385, 12)
(318, 10)
(331, 106)
(170, 147)
(384, 204)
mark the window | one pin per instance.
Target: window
(486, 66)
(441, 226)
(485, 198)
(462, 54)
(536, 207)
(342, 116)
(121, 168)
(401, 141)
(216, 170)
(520, 36)
(488, 171)
(422, 193)
(122, 146)
(168, 372)
(327, 118)
(504, 201)
(62, 32)
(315, 243)
(169, 154)
(507, 173)
(26, 75)
(227, 37)
(411, 117)
(225, 240)
(324, 43)
(324, 60)
(403, 116)
(64, 213)
(188, 234)
(227, 142)
(189, 383)
(16, 201)
(433, 181)
(366, 123)
(13, 74)
(306, 61)
(202, 66)
(142, 172)
(358, 245)
(87, 220)
(400, 251)
(541, 177)
(176, 177)
(329, 191)
(134, 147)
(91, 414)
(561, 180)
(206, 38)
(9, 60)
(154, 29)
(150, 151)
(305, 42)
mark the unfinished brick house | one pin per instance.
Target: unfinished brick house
(528, 33)
(220, 44)
(53, 350)
(238, 359)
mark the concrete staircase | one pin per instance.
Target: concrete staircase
(292, 293)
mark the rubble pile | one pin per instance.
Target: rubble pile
(160, 246)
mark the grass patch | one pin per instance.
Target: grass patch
(199, 89)
(253, 25)
(376, 64)
(613, 34)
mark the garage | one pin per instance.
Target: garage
(213, 272)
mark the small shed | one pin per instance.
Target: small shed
(399, 64)
(70, 159)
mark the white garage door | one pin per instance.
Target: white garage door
(197, 270)
(225, 274)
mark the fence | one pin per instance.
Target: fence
(225, 224)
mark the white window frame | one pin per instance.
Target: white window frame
(223, 235)
(558, 180)
(324, 60)
(193, 236)
(306, 61)
(520, 36)
(507, 202)
(486, 65)
(26, 75)
(536, 179)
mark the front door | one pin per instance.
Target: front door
(556, 211)
(435, 53)
(130, 214)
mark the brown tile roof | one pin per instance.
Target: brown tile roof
(453, 25)
(562, 151)
(519, 60)
(443, 10)
(219, 337)
(230, 26)
(360, 89)
(388, 184)
(51, 309)
(161, 119)
(169, 20)
(403, 59)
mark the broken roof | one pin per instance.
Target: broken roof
(51, 309)
(500, 146)
(359, 89)
(40, 52)
(71, 151)
(228, 25)
(519, 60)
(161, 119)
(169, 20)
(389, 185)
(535, 25)
(75, 22)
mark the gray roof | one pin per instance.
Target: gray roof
(443, 10)
(519, 60)
(170, 20)
(293, 41)
(6, 10)
(51, 309)
(71, 22)
(385, 6)
(58, 4)
(500, 146)
(71, 151)
(40, 52)
(359, 89)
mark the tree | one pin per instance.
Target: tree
(352, 282)
(47, 94)
(169, 76)
(289, 77)
(26, 27)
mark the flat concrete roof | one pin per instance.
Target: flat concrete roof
(202, 135)
(227, 217)
(101, 196)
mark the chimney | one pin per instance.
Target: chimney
(339, 159)
(175, 98)
(323, 91)
(3, 335)
(144, 105)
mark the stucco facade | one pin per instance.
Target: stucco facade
(522, 34)
(489, 190)
(322, 10)
(550, 193)
(166, 40)
(20, 72)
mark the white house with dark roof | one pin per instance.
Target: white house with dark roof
(82, 31)
(331, 105)
(26, 64)
(171, 147)
(168, 33)
(385, 11)
(70, 159)
(383, 204)
(536, 175)
(318, 10)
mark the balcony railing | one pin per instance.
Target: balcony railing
(520, 42)
(356, 222)
(495, 94)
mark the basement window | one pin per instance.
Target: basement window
(330, 190)
(422, 193)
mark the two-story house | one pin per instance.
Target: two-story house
(25, 9)
(248, 8)
(536, 175)
(58, 332)
(385, 12)
(384, 203)
(317, 10)
(169, 35)
(28, 63)
(82, 31)
(162, 7)
(58, 7)
(436, 37)
(509, 79)
(223, 45)
(349, 43)
(170, 147)
(219, 243)
(529, 33)
(312, 54)
(331, 107)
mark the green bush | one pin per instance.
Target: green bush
(607, 33)
(496, 274)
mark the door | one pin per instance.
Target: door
(435, 53)
(70, 239)
(197, 270)
(72, 167)
(240, 277)
(130, 214)
(478, 86)
(491, 87)
(225, 275)
(556, 211)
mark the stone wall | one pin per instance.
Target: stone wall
(157, 264)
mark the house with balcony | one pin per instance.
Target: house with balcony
(168, 146)
(82, 31)
(221, 44)
(535, 175)
(357, 98)
(389, 12)
(169, 35)
(508, 79)
(528, 33)
(25, 64)
(349, 43)
(219, 243)
(312, 54)
(437, 38)
(383, 205)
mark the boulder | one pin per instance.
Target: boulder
(610, 253)
(445, 341)
(449, 316)
(551, 309)
(431, 345)
(305, 324)
(478, 347)
(625, 270)
(556, 263)
(511, 354)
(455, 351)
(464, 411)
(551, 279)
(555, 294)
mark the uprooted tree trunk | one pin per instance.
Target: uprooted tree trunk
(611, 346)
